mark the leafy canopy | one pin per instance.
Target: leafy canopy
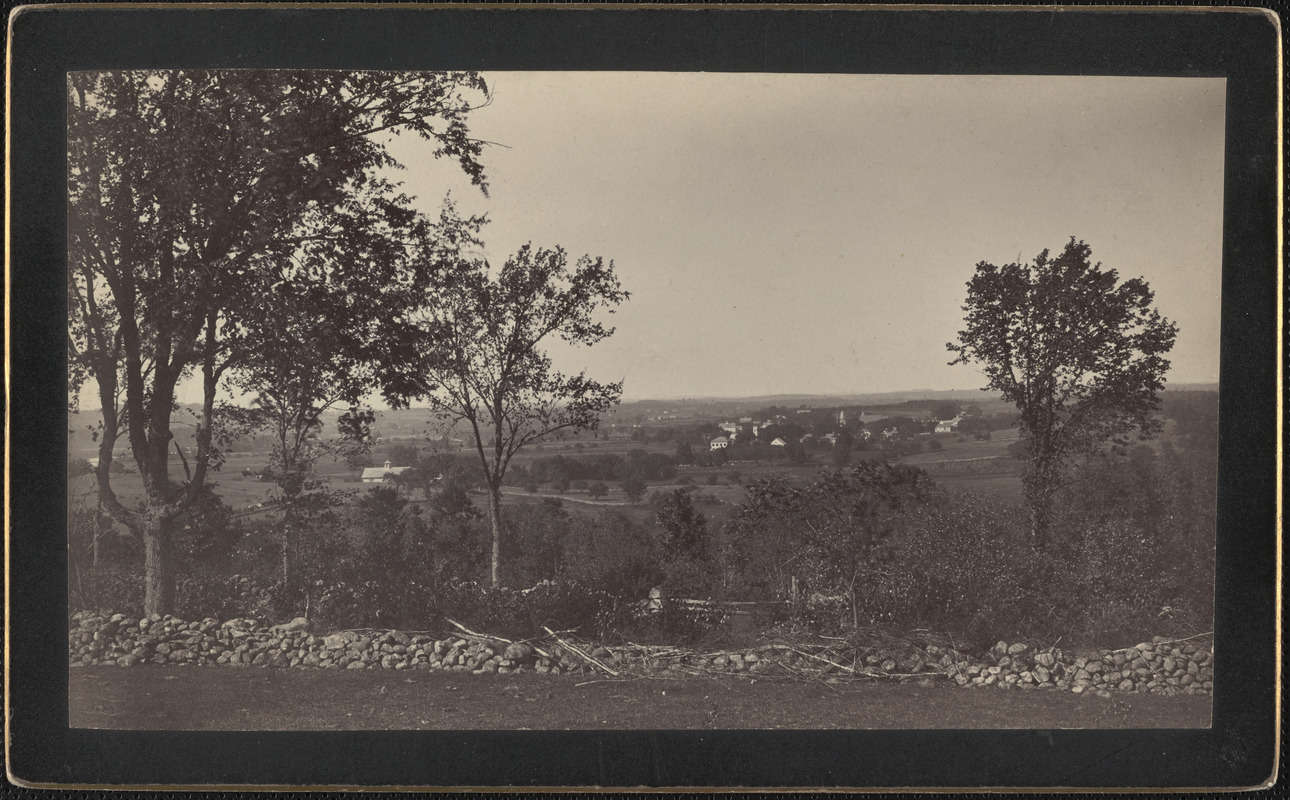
(485, 361)
(1081, 354)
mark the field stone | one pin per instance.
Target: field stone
(1019, 647)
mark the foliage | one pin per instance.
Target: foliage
(680, 530)
(481, 338)
(1079, 353)
(194, 196)
(633, 487)
(833, 533)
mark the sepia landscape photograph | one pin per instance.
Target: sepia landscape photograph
(641, 400)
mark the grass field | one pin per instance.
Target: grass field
(969, 465)
(221, 698)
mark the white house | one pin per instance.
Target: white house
(719, 443)
(948, 425)
(377, 474)
(778, 442)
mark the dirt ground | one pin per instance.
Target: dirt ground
(179, 698)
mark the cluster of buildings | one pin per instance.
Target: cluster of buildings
(731, 431)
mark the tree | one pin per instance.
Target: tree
(945, 409)
(482, 359)
(403, 455)
(597, 490)
(292, 390)
(834, 531)
(1080, 354)
(191, 196)
(842, 449)
(357, 461)
(633, 487)
(682, 531)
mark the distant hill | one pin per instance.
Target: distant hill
(423, 423)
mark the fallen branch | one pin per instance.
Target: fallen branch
(585, 656)
(469, 632)
(825, 660)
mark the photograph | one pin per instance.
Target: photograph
(576, 400)
(810, 398)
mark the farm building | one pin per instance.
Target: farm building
(719, 443)
(947, 425)
(378, 474)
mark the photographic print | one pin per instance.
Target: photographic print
(363, 438)
(647, 410)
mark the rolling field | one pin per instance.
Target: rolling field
(969, 465)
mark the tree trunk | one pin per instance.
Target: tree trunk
(495, 517)
(158, 563)
(96, 530)
(1037, 486)
(289, 545)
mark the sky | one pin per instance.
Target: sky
(814, 233)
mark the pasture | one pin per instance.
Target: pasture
(967, 465)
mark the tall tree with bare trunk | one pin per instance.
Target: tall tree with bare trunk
(485, 364)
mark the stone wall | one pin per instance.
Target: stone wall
(1161, 666)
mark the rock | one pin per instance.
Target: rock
(520, 651)
(337, 641)
(1045, 660)
(1041, 674)
(1001, 647)
(1019, 647)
